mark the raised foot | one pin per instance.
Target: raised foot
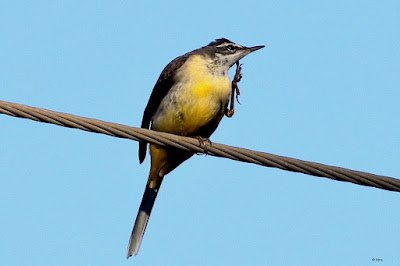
(235, 89)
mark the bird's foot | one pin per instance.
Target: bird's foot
(204, 143)
(235, 89)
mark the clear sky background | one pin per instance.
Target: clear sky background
(325, 89)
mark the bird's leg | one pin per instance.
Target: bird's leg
(204, 143)
(238, 76)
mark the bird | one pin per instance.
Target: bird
(189, 99)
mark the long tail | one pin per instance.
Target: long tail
(142, 218)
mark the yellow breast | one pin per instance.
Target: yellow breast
(204, 92)
(203, 80)
(195, 99)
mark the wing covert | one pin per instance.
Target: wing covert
(161, 88)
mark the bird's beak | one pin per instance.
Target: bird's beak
(245, 51)
(255, 48)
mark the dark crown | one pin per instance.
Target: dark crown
(219, 42)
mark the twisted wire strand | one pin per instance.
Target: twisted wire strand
(191, 144)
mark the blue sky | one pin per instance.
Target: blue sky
(325, 89)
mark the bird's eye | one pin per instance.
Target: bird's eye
(231, 48)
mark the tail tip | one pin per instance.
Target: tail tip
(131, 253)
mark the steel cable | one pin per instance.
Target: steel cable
(192, 144)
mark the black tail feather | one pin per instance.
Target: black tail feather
(142, 218)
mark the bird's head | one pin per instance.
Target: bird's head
(228, 53)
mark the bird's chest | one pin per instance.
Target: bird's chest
(195, 101)
(202, 97)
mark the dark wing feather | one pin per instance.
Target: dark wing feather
(163, 85)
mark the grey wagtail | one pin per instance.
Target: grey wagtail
(189, 99)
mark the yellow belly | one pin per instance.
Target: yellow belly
(206, 98)
(194, 101)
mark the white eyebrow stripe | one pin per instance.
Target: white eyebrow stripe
(227, 44)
